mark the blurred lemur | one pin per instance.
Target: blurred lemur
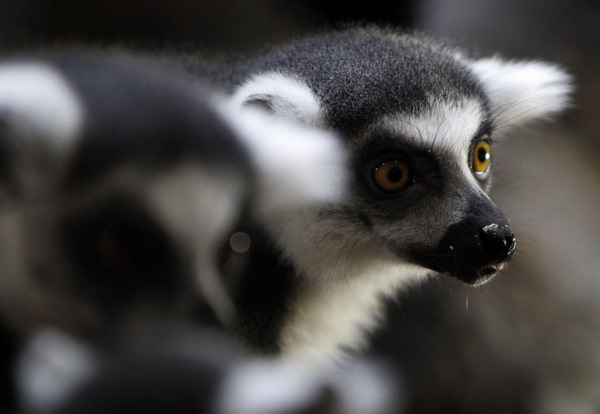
(121, 185)
(420, 120)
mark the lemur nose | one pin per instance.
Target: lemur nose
(498, 241)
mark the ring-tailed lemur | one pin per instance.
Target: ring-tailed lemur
(420, 120)
(120, 186)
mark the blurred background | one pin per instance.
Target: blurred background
(529, 342)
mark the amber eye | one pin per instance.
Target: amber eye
(482, 157)
(391, 176)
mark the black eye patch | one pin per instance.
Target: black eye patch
(119, 252)
(419, 165)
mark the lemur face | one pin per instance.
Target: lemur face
(421, 182)
(121, 188)
(420, 121)
(136, 245)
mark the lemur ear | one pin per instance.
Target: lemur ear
(521, 91)
(296, 165)
(280, 94)
(40, 117)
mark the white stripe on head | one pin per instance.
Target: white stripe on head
(445, 127)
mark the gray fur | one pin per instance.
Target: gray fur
(362, 74)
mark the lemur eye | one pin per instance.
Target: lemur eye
(482, 157)
(120, 248)
(117, 250)
(392, 176)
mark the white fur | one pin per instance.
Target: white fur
(50, 368)
(288, 97)
(297, 165)
(445, 127)
(522, 91)
(45, 117)
(345, 272)
(37, 99)
(325, 320)
(448, 126)
(269, 387)
(200, 206)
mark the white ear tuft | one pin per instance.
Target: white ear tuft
(282, 95)
(297, 165)
(36, 98)
(43, 118)
(522, 91)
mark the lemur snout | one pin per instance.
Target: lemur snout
(498, 241)
(474, 252)
(475, 248)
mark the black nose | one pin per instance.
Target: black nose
(473, 249)
(498, 241)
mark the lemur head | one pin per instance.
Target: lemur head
(420, 120)
(120, 187)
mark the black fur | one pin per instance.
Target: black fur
(265, 292)
(150, 265)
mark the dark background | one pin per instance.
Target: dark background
(530, 340)
(219, 25)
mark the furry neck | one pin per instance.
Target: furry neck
(326, 321)
(342, 275)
